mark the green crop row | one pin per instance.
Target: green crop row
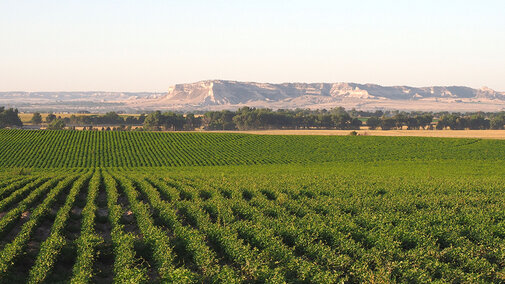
(64, 149)
(259, 226)
(51, 247)
(38, 188)
(88, 240)
(125, 268)
(297, 210)
(14, 248)
(153, 236)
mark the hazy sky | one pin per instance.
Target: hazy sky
(150, 45)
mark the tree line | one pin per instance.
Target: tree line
(248, 118)
(9, 118)
(401, 120)
(110, 118)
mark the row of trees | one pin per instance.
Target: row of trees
(400, 120)
(53, 122)
(110, 118)
(171, 121)
(9, 118)
(247, 118)
(446, 121)
(251, 118)
(456, 122)
(497, 121)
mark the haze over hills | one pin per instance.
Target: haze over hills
(93, 101)
(222, 94)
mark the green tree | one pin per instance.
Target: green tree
(388, 123)
(50, 117)
(56, 124)
(36, 118)
(356, 123)
(112, 118)
(478, 122)
(425, 120)
(447, 121)
(497, 122)
(192, 122)
(400, 120)
(153, 120)
(412, 123)
(9, 118)
(373, 122)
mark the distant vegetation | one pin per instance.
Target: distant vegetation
(251, 118)
(110, 118)
(247, 118)
(9, 118)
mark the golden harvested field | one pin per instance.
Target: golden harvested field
(485, 134)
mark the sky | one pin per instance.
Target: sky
(149, 45)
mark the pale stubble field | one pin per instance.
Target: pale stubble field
(484, 134)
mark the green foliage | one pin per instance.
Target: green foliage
(498, 121)
(456, 122)
(9, 118)
(110, 118)
(13, 249)
(56, 124)
(373, 122)
(57, 149)
(36, 118)
(50, 117)
(51, 247)
(170, 121)
(251, 118)
(225, 208)
(88, 240)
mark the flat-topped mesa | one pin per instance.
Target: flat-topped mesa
(193, 93)
(222, 92)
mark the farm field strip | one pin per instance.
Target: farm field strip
(51, 247)
(138, 212)
(74, 149)
(12, 250)
(481, 134)
(203, 229)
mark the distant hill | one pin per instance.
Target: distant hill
(74, 101)
(222, 94)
